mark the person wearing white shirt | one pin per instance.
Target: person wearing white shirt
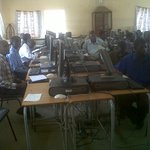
(93, 44)
(24, 51)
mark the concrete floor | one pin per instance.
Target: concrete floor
(49, 136)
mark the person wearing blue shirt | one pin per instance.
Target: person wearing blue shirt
(136, 65)
(14, 59)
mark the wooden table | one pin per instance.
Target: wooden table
(42, 88)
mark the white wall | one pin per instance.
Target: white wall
(78, 12)
(0, 5)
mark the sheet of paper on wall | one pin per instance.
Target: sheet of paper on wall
(37, 77)
(33, 97)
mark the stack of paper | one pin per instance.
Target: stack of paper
(37, 77)
(33, 97)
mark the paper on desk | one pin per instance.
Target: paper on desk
(37, 77)
(33, 97)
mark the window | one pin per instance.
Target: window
(36, 23)
(2, 30)
(29, 22)
(142, 19)
(54, 20)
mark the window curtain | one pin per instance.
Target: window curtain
(142, 18)
(29, 22)
(2, 29)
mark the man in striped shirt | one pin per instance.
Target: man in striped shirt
(8, 84)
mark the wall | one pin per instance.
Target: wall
(124, 12)
(0, 5)
(78, 12)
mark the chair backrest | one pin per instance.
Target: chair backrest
(3, 114)
(7, 95)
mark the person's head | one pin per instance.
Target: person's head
(26, 37)
(31, 43)
(4, 47)
(68, 34)
(129, 36)
(15, 42)
(139, 46)
(122, 46)
(21, 35)
(139, 33)
(92, 36)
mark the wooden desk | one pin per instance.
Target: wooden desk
(47, 100)
(105, 95)
(129, 91)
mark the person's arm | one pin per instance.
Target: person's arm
(6, 78)
(103, 44)
(16, 63)
(85, 46)
(25, 52)
(122, 66)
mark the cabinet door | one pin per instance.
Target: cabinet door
(99, 21)
(102, 21)
(107, 21)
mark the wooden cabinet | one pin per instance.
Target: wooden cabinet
(101, 20)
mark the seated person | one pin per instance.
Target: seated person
(7, 82)
(16, 65)
(118, 51)
(31, 44)
(147, 40)
(24, 51)
(136, 66)
(93, 44)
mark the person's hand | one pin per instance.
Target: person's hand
(21, 85)
(16, 80)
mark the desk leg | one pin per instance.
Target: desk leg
(112, 107)
(66, 126)
(148, 126)
(26, 129)
(73, 127)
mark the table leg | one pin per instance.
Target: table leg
(112, 107)
(66, 126)
(148, 136)
(73, 127)
(26, 128)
